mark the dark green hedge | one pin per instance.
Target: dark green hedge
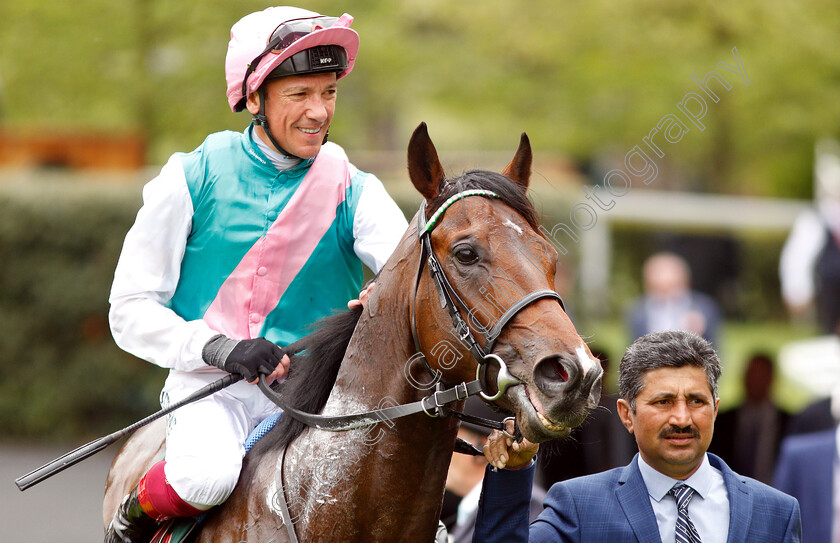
(61, 375)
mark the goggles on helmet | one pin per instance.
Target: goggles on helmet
(288, 33)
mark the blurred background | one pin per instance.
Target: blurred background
(95, 95)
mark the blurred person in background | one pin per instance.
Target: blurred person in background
(463, 480)
(809, 266)
(240, 245)
(808, 469)
(808, 466)
(669, 303)
(747, 437)
(818, 416)
(809, 272)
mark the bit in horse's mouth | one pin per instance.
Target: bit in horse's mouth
(544, 420)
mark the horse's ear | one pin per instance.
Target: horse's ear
(424, 168)
(519, 169)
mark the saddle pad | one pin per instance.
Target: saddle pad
(262, 428)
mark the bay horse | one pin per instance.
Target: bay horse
(482, 266)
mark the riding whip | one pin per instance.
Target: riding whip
(75, 456)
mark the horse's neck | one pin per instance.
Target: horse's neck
(374, 371)
(407, 453)
(382, 344)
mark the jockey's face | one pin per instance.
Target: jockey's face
(299, 109)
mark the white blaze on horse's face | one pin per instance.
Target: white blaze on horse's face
(586, 361)
(509, 223)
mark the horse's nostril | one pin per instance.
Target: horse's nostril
(560, 370)
(553, 374)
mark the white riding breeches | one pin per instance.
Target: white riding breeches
(205, 439)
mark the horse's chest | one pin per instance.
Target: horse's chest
(320, 476)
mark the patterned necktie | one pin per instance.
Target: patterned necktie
(686, 532)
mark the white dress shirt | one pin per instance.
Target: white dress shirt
(468, 505)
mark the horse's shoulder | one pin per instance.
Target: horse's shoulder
(135, 457)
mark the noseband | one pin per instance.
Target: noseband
(450, 301)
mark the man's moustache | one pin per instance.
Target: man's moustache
(676, 431)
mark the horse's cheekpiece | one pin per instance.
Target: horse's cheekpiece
(450, 301)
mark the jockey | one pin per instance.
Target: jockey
(238, 247)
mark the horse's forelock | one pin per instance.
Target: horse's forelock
(509, 192)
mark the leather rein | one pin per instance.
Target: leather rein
(436, 404)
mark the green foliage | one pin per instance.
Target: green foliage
(580, 77)
(61, 375)
(577, 76)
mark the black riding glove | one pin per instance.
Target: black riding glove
(245, 357)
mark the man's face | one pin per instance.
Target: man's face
(665, 277)
(299, 110)
(674, 419)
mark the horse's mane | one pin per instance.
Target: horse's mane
(510, 192)
(315, 360)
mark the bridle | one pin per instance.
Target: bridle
(435, 405)
(450, 301)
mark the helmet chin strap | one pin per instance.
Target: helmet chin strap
(261, 119)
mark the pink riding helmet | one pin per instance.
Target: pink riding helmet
(250, 36)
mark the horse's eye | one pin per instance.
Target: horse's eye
(466, 254)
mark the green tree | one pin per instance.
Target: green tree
(577, 76)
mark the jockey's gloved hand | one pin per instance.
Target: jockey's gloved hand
(245, 357)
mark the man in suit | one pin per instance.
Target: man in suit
(669, 303)
(816, 417)
(748, 436)
(668, 384)
(806, 470)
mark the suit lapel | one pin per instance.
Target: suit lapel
(633, 496)
(740, 501)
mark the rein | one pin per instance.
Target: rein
(436, 404)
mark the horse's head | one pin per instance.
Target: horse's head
(497, 275)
